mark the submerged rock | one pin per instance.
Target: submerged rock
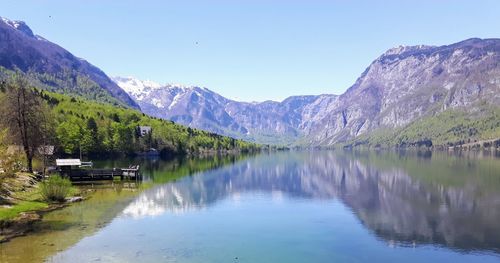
(74, 199)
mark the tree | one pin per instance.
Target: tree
(123, 137)
(9, 162)
(93, 134)
(26, 117)
(69, 135)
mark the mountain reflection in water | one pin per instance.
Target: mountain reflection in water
(405, 198)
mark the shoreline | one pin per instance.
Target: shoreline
(25, 206)
(23, 223)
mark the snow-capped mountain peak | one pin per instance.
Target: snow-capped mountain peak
(18, 25)
(13, 23)
(141, 88)
(135, 87)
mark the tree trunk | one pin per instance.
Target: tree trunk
(30, 163)
(29, 159)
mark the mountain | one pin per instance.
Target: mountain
(409, 95)
(407, 86)
(265, 122)
(52, 67)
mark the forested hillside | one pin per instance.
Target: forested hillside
(99, 128)
(453, 127)
(54, 68)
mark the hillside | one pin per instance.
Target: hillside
(103, 129)
(406, 89)
(53, 68)
(407, 96)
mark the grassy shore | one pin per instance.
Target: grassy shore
(22, 204)
(19, 194)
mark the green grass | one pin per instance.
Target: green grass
(24, 195)
(7, 213)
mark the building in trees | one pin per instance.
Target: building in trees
(144, 130)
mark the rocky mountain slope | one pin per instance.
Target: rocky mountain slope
(52, 67)
(408, 84)
(265, 122)
(409, 94)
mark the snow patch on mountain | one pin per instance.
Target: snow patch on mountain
(19, 25)
(13, 23)
(175, 100)
(202, 108)
(135, 87)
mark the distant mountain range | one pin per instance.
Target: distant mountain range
(265, 122)
(52, 67)
(410, 95)
(391, 101)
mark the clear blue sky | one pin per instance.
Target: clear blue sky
(250, 50)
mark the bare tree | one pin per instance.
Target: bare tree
(25, 115)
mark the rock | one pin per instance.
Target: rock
(74, 199)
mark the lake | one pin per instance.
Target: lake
(318, 206)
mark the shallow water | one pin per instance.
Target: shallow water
(325, 206)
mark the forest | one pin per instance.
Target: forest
(80, 125)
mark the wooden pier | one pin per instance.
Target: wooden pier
(75, 171)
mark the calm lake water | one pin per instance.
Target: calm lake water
(325, 206)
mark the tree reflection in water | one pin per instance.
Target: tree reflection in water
(406, 198)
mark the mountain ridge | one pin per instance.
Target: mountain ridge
(205, 109)
(397, 89)
(403, 85)
(52, 67)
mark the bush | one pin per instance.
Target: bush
(55, 188)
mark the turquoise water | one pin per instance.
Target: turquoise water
(308, 207)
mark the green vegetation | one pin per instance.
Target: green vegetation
(66, 82)
(55, 188)
(74, 125)
(67, 226)
(26, 117)
(449, 128)
(19, 194)
(7, 213)
(96, 128)
(22, 192)
(176, 169)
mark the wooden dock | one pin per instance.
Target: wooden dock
(75, 171)
(103, 174)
